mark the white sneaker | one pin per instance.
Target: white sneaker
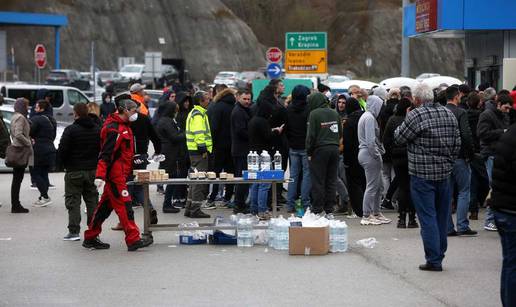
(370, 220)
(42, 202)
(490, 227)
(352, 216)
(382, 219)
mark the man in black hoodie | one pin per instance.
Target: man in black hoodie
(322, 146)
(295, 130)
(78, 152)
(240, 117)
(220, 124)
(491, 126)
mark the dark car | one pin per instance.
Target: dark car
(67, 77)
(167, 75)
(114, 78)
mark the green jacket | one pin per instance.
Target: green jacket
(323, 124)
(198, 134)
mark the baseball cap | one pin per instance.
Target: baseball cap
(136, 88)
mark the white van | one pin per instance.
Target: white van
(63, 97)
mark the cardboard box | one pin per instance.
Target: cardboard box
(309, 240)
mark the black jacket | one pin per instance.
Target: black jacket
(467, 149)
(260, 133)
(297, 117)
(43, 131)
(350, 132)
(220, 120)
(491, 125)
(106, 109)
(473, 116)
(503, 196)
(143, 131)
(386, 113)
(173, 139)
(240, 117)
(278, 117)
(80, 145)
(182, 115)
(397, 153)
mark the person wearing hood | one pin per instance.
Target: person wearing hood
(342, 190)
(322, 146)
(43, 132)
(220, 124)
(354, 172)
(163, 102)
(107, 107)
(78, 151)
(20, 135)
(295, 130)
(185, 106)
(260, 139)
(492, 124)
(173, 146)
(370, 157)
(399, 158)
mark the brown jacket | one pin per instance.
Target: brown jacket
(20, 131)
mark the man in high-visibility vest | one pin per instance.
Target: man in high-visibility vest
(138, 95)
(199, 143)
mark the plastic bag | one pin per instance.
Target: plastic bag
(367, 243)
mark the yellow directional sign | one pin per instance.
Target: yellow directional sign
(306, 62)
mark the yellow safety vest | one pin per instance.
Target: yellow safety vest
(198, 132)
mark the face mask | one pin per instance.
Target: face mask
(133, 117)
(328, 94)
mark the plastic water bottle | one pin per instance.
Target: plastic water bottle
(300, 210)
(250, 161)
(277, 161)
(245, 233)
(265, 161)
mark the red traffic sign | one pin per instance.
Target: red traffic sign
(40, 56)
(274, 55)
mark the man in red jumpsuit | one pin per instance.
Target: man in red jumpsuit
(115, 164)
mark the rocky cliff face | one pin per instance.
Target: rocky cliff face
(215, 35)
(357, 29)
(205, 33)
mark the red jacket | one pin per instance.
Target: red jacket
(117, 150)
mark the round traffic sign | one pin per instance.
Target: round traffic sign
(40, 56)
(274, 70)
(274, 55)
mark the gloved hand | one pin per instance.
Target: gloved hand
(99, 183)
(138, 161)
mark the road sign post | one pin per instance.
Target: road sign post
(40, 59)
(306, 53)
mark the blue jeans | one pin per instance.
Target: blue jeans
(461, 176)
(259, 195)
(298, 161)
(432, 200)
(489, 167)
(506, 224)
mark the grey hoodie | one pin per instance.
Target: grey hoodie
(369, 130)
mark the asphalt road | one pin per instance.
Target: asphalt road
(37, 268)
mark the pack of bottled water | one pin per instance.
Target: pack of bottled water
(281, 233)
(245, 236)
(338, 236)
(271, 232)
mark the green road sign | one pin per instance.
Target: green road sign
(305, 41)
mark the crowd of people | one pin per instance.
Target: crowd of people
(429, 153)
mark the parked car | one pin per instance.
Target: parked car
(435, 82)
(424, 76)
(68, 77)
(399, 82)
(245, 78)
(63, 97)
(336, 83)
(133, 72)
(114, 78)
(7, 112)
(228, 78)
(167, 75)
